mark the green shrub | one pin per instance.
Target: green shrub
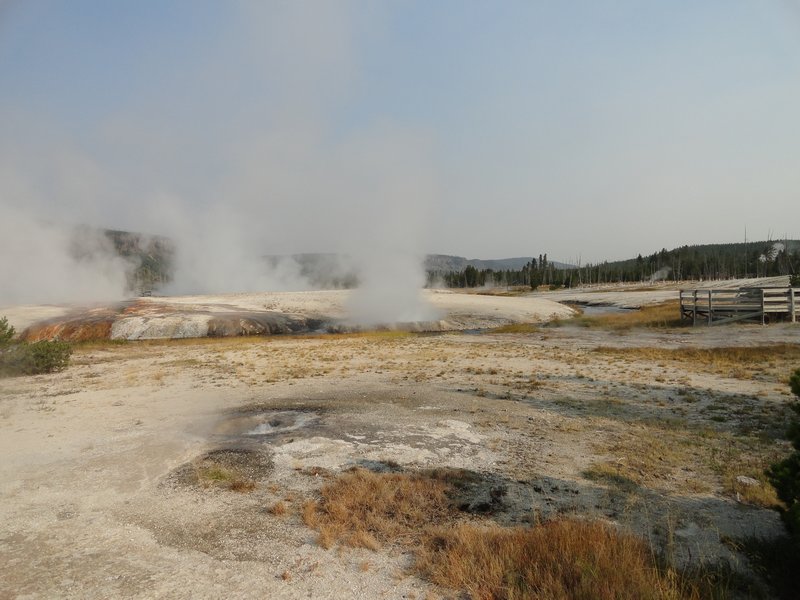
(794, 280)
(785, 475)
(6, 333)
(22, 358)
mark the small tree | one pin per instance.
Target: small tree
(785, 475)
(21, 358)
(6, 333)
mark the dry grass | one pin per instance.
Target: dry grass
(365, 509)
(737, 361)
(663, 315)
(511, 291)
(650, 456)
(762, 494)
(737, 458)
(615, 473)
(560, 559)
(278, 509)
(373, 334)
(242, 485)
(518, 328)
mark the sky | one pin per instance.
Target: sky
(591, 131)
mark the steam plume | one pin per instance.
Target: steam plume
(231, 178)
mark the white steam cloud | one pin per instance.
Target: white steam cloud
(241, 157)
(47, 263)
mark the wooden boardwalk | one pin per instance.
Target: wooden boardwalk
(719, 306)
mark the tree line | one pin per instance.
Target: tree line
(693, 263)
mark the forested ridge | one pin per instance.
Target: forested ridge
(697, 262)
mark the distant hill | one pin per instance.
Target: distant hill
(700, 262)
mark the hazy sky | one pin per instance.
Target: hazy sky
(487, 129)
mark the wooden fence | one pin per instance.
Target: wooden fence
(718, 306)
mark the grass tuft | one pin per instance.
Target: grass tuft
(559, 559)
(278, 509)
(363, 509)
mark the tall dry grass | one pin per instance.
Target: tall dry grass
(365, 509)
(723, 357)
(564, 559)
(667, 314)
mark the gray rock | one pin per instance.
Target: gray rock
(748, 481)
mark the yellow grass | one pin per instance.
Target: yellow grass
(562, 559)
(364, 509)
(559, 559)
(738, 360)
(663, 315)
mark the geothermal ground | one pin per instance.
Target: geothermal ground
(115, 472)
(265, 314)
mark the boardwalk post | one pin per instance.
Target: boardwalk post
(763, 313)
(694, 308)
(792, 307)
(710, 307)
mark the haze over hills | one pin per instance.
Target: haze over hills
(152, 261)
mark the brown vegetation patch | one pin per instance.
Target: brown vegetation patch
(663, 315)
(559, 559)
(647, 456)
(511, 291)
(278, 509)
(739, 361)
(688, 461)
(365, 509)
(738, 458)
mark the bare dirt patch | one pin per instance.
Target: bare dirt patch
(235, 469)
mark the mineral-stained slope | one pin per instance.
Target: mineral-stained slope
(272, 314)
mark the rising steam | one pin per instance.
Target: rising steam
(48, 263)
(229, 178)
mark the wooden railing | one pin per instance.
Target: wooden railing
(718, 306)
